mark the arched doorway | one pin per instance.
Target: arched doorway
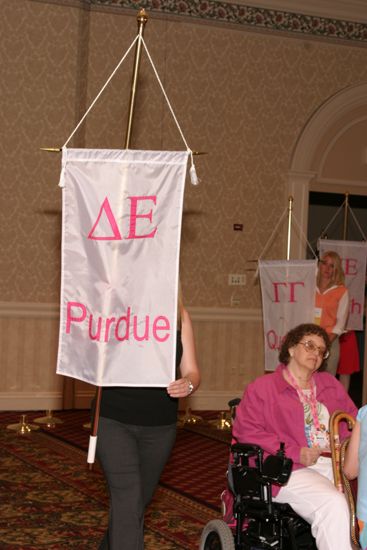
(330, 156)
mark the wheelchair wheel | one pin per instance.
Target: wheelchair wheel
(216, 535)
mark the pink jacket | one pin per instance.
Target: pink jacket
(270, 412)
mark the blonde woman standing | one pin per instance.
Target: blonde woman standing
(331, 303)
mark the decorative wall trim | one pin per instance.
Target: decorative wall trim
(51, 311)
(30, 401)
(249, 17)
(341, 183)
(334, 9)
(245, 16)
(29, 310)
(212, 400)
(202, 400)
(224, 314)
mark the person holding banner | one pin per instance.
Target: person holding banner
(136, 433)
(331, 303)
(293, 406)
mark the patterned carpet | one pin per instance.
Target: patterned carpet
(50, 499)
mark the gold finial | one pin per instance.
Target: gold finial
(142, 17)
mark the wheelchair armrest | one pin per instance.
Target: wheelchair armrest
(274, 469)
(277, 469)
(246, 449)
(234, 402)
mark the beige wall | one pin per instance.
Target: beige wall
(242, 96)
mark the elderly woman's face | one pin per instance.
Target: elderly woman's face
(309, 353)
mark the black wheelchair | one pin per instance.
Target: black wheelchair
(257, 523)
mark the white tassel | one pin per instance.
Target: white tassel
(63, 164)
(193, 175)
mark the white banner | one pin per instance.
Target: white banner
(288, 296)
(353, 255)
(122, 213)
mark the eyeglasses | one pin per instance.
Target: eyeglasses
(310, 346)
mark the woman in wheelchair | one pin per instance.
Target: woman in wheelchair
(293, 406)
(355, 464)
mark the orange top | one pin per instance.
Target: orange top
(331, 309)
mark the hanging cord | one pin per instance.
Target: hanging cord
(193, 176)
(101, 91)
(357, 223)
(269, 241)
(333, 218)
(304, 237)
(353, 216)
(273, 233)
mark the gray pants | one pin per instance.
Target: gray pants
(132, 458)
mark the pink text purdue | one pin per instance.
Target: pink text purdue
(119, 329)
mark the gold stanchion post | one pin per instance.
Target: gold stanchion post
(23, 427)
(345, 227)
(290, 211)
(48, 420)
(188, 417)
(142, 18)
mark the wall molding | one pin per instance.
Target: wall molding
(224, 314)
(202, 400)
(38, 310)
(333, 22)
(34, 310)
(211, 400)
(332, 9)
(31, 401)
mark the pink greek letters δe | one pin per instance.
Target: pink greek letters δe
(106, 208)
(134, 216)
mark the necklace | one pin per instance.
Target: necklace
(309, 399)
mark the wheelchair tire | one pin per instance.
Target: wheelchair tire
(216, 535)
